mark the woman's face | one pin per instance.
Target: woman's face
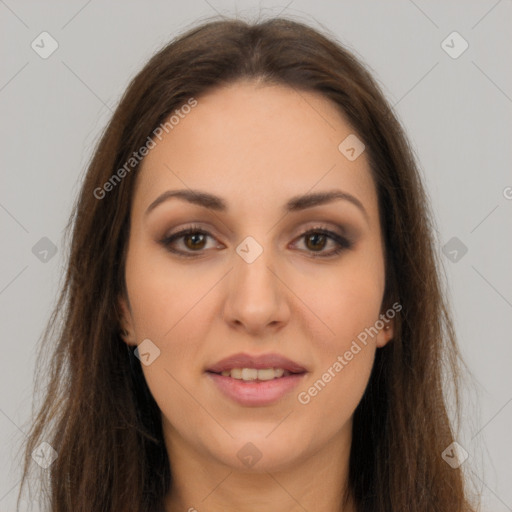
(247, 280)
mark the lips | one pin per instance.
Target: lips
(235, 378)
(258, 362)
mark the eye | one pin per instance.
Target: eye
(316, 239)
(194, 240)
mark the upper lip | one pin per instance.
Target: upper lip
(259, 362)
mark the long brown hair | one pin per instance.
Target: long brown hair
(98, 413)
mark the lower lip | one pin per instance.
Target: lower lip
(256, 393)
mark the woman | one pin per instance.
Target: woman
(253, 316)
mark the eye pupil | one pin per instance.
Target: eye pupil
(194, 238)
(315, 237)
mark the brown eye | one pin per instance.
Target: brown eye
(318, 241)
(194, 240)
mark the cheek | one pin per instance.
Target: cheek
(163, 298)
(169, 308)
(345, 355)
(333, 395)
(346, 299)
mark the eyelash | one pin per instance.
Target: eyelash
(343, 244)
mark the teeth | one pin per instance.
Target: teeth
(249, 374)
(254, 374)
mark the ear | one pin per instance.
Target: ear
(126, 330)
(387, 332)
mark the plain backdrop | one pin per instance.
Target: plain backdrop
(455, 105)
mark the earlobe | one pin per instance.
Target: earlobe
(125, 323)
(386, 334)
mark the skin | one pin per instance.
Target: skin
(256, 146)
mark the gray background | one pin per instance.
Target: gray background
(456, 111)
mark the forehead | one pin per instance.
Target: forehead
(256, 145)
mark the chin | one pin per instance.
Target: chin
(260, 452)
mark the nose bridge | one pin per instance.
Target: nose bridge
(254, 293)
(252, 263)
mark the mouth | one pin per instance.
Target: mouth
(255, 374)
(256, 367)
(253, 381)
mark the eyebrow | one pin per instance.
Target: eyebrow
(295, 204)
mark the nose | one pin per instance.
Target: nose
(256, 296)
